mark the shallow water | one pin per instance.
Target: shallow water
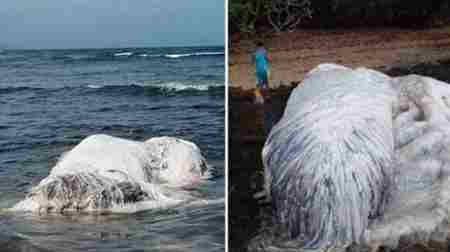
(51, 99)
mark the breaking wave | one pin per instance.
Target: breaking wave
(174, 56)
(135, 88)
(123, 54)
(171, 56)
(111, 55)
(160, 89)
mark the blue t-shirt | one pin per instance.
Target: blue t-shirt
(262, 62)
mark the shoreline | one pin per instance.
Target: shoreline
(295, 53)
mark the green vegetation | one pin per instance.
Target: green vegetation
(243, 14)
(248, 16)
(280, 15)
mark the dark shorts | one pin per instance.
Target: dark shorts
(262, 81)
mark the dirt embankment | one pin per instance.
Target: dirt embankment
(295, 53)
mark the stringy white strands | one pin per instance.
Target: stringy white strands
(328, 160)
(178, 163)
(359, 158)
(105, 173)
(419, 209)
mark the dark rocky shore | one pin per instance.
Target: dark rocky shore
(248, 126)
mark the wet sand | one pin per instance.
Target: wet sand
(249, 125)
(295, 53)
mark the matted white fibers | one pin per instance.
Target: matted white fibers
(105, 173)
(359, 158)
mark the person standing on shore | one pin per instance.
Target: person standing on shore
(261, 59)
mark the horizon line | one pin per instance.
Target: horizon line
(8, 48)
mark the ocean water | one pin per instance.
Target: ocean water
(51, 99)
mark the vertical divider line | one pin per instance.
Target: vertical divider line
(226, 125)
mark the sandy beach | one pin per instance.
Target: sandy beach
(295, 53)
